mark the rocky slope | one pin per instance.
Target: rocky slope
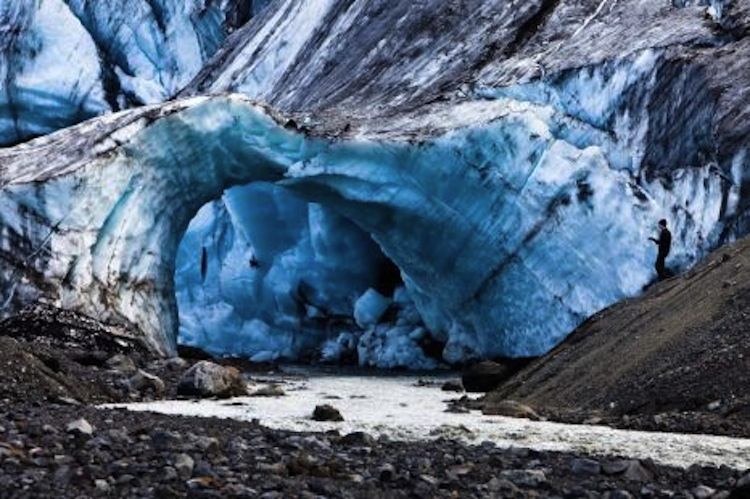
(679, 352)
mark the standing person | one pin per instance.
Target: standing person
(664, 242)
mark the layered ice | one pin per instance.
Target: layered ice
(64, 61)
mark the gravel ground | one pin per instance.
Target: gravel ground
(124, 454)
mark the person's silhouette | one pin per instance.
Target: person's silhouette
(664, 242)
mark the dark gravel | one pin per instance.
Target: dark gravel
(149, 455)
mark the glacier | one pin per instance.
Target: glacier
(64, 61)
(504, 175)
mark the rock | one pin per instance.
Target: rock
(80, 427)
(744, 481)
(452, 386)
(206, 444)
(326, 412)
(358, 438)
(525, 478)
(714, 405)
(702, 492)
(585, 467)
(184, 465)
(275, 468)
(485, 376)
(618, 494)
(269, 391)
(101, 486)
(207, 379)
(121, 363)
(164, 440)
(636, 472)
(615, 467)
(387, 472)
(175, 363)
(502, 487)
(169, 474)
(143, 382)
(508, 408)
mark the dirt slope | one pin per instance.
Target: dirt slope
(681, 346)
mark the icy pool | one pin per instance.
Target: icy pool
(397, 407)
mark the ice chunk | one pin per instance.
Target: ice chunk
(389, 347)
(370, 307)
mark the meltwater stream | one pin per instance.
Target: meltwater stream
(398, 407)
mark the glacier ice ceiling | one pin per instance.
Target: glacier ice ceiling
(510, 159)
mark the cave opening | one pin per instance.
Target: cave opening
(263, 274)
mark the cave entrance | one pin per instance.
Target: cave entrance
(263, 274)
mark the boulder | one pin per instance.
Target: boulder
(327, 412)
(485, 376)
(583, 466)
(207, 379)
(452, 386)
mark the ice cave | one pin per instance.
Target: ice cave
(262, 274)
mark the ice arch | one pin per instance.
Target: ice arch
(265, 275)
(508, 231)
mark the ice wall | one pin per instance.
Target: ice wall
(508, 232)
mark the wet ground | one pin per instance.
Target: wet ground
(412, 408)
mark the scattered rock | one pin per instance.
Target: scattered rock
(387, 472)
(503, 487)
(143, 382)
(358, 438)
(452, 386)
(101, 486)
(615, 467)
(269, 391)
(702, 492)
(618, 494)
(327, 412)
(184, 465)
(80, 427)
(584, 466)
(485, 376)
(508, 408)
(207, 379)
(121, 363)
(636, 472)
(525, 478)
